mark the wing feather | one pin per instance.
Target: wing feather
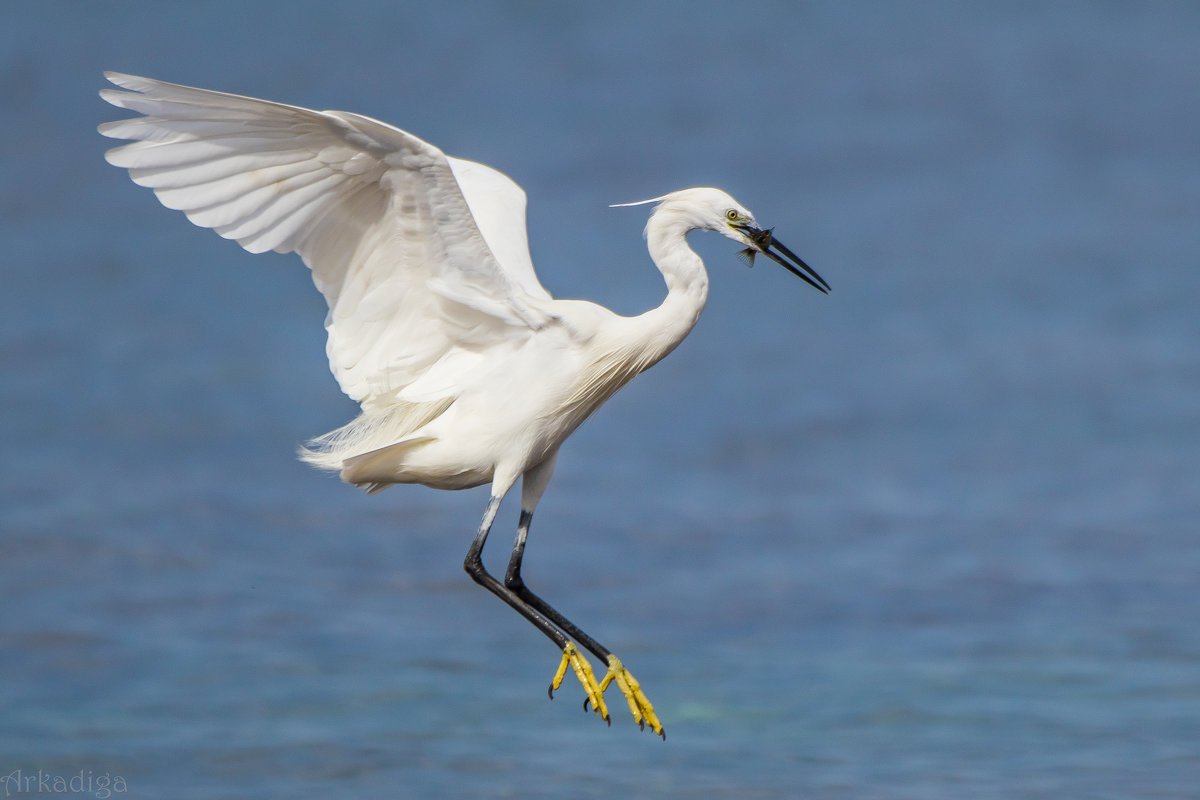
(422, 259)
(498, 205)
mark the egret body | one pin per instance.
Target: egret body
(467, 371)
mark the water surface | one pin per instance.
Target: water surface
(932, 536)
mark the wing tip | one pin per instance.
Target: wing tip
(129, 86)
(125, 80)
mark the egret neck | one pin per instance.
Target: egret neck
(661, 329)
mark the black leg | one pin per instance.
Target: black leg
(474, 567)
(571, 657)
(513, 581)
(556, 627)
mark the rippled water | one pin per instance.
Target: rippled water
(933, 536)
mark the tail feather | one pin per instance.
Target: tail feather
(378, 469)
(366, 436)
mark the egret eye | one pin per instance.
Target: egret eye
(732, 215)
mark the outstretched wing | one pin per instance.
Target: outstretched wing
(498, 205)
(422, 258)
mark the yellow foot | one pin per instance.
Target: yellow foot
(643, 712)
(583, 671)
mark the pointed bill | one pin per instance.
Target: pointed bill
(764, 241)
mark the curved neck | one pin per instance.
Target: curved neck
(664, 327)
(626, 346)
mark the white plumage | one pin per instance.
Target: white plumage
(466, 369)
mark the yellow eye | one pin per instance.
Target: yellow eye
(732, 215)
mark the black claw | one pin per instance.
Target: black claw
(664, 734)
(642, 725)
(550, 691)
(586, 702)
(608, 719)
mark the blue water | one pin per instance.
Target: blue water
(932, 536)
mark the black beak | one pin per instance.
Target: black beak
(766, 243)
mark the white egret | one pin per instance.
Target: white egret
(466, 369)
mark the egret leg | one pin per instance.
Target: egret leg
(473, 564)
(639, 705)
(512, 580)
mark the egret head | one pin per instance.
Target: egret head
(711, 209)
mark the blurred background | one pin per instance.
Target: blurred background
(932, 536)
